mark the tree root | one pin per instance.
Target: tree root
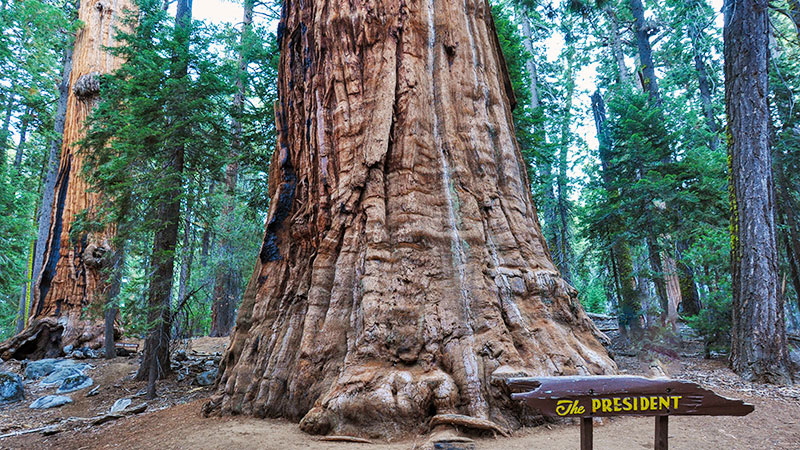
(459, 420)
(355, 439)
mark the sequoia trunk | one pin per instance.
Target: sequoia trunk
(758, 344)
(72, 278)
(403, 273)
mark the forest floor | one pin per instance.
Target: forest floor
(174, 422)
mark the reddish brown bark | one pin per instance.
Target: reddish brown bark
(403, 273)
(72, 277)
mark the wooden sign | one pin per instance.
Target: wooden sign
(586, 397)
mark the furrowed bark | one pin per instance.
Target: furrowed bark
(403, 267)
(758, 345)
(71, 278)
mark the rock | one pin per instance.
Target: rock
(75, 383)
(90, 353)
(210, 363)
(50, 401)
(11, 389)
(119, 405)
(77, 354)
(41, 368)
(206, 378)
(68, 349)
(45, 367)
(180, 355)
(58, 377)
(95, 390)
(121, 351)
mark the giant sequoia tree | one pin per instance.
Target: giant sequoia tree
(403, 270)
(73, 276)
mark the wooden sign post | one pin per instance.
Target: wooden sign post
(603, 396)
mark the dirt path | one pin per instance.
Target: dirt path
(774, 424)
(176, 422)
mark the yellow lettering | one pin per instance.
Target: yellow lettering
(617, 408)
(653, 403)
(578, 409)
(635, 403)
(663, 402)
(595, 404)
(606, 404)
(626, 404)
(643, 404)
(676, 400)
(563, 407)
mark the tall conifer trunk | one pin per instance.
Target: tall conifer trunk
(227, 285)
(758, 345)
(155, 358)
(403, 273)
(72, 277)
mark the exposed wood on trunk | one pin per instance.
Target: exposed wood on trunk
(72, 278)
(758, 345)
(673, 285)
(403, 263)
(49, 187)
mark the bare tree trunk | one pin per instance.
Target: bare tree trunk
(704, 84)
(227, 286)
(648, 70)
(616, 45)
(183, 328)
(155, 358)
(111, 308)
(530, 64)
(403, 266)
(72, 277)
(690, 298)
(23, 137)
(563, 253)
(758, 345)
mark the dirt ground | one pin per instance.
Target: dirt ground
(174, 421)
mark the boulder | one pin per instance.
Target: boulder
(11, 389)
(45, 367)
(58, 377)
(119, 405)
(74, 383)
(206, 378)
(41, 368)
(50, 401)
